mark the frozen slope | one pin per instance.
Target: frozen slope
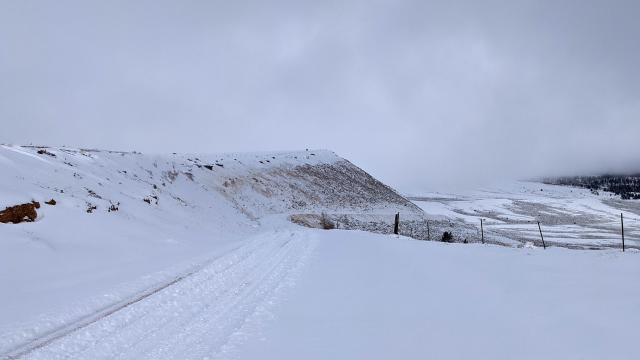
(174, 213)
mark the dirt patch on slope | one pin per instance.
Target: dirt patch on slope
(20, 213)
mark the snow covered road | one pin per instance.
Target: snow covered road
(198, 316)
(299, 293)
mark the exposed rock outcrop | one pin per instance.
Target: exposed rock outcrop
(20, 213)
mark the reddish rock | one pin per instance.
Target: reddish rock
(20, 213)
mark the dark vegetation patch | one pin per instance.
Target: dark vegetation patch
(150, 199)
(171, 175)
(625, 186)
(93, 194)
(45, 152)
(326, 223)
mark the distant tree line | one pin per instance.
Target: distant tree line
(625, 186)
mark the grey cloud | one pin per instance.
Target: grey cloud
(421, 93)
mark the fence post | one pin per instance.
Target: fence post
(396, 226)
(482, 231)
(428, 232)
(622, 227)
(542, 237)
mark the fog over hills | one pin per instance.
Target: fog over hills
(421, 94)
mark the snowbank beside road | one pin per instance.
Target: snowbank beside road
(366, 296)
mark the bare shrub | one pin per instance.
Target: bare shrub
(326, 223)
(114, 207)
(45, 152)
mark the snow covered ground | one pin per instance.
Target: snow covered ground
(312, 294)
(126, 224)
(199, 314)
(366, 296)
(200, 261)
(569, 216)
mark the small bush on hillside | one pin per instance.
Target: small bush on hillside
(447, 237)
(325, 222)
(45, 152)
(114, 207)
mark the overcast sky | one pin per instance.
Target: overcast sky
(419, 93)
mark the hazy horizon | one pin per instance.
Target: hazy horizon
(424, 95)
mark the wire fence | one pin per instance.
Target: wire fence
(534, 232)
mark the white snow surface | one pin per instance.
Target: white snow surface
(311, 294)
(568, 215)
(69, 263)
(366, 296)
(215, 270)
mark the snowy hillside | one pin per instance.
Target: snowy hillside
(198, 257)
(124, 222)
(257, 184)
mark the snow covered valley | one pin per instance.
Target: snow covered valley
(196, 257)
(569, 216)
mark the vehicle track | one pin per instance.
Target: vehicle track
(193, 316)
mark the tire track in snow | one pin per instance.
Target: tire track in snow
(50, 336)
(218, 268)
(232, 314)
(193, 317)
(144, 330)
